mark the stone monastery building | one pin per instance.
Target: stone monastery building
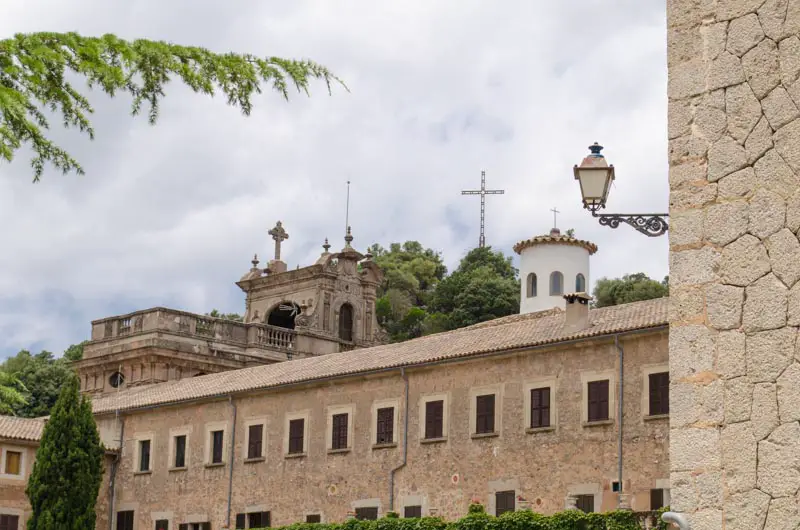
(303, 412)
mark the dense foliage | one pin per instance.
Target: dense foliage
(629, 288)
(36, 68)
(418, 297)
(42, 376)
(68, 469)
(478, 519)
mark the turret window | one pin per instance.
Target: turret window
(531, 282)
(580, 283)
(556, 283)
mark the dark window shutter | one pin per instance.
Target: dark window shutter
(125, 520)
(412, 512)
(540, 407)
(240, 520)
(144, 455)
(367, 514)
(313, 518)
(339, 431)
(183, 526)
(504, 501)
(9, 522)
(205, 526)
(385, 428)
(659, 393)
(484, 420)
(216, 446)
(255, 441)
(585, 503)
(598, 400)
(656, 499)
(180, 451)
(296, 434)
(162, 524)
(434, 417)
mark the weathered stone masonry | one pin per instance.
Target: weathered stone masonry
(734, 130)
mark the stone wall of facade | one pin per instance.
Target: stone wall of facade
(443, 477)
(734, 129)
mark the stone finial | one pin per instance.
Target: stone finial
(255, 262)
(326, 246)
(348, 238)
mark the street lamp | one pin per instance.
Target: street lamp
(595, 177)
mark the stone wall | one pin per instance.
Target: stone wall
(541, 467)
(734, 129)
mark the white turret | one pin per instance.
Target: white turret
(551, 266)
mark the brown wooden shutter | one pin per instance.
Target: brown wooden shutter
(240, 520)
(296, 434)
(313, 518)
(339, 431)
(504, 501)
(598, 400)
(484, 420)
(656, 499)
(216, 446)
(659, 393)
(255, 435)
(162, 524)
(412, 512)
(9, 522)
(385, 434)
(585, 503)
(540, 407)
(367, 514)
(180, 451)
(434, 417)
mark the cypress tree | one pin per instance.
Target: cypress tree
(66, 475)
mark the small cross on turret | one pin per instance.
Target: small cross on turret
(279, 235)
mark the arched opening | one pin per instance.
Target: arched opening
(580, 283)
(556, 283)
(346, 322)
(283, 315)
(531, 285)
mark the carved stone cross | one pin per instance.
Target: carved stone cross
(279, 235)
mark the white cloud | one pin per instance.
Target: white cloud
(172, 214)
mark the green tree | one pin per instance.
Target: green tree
(34, 76)
(68, 469)
(42, 376)
(11, 392)
(75, 351)
(236, 317)
(483, 287)
(629, 288)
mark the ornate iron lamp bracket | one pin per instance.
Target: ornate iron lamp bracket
(649, 224)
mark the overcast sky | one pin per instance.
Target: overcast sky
(172, 214)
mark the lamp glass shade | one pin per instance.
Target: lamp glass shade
(595, 182)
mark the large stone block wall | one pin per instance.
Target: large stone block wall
(734, 142)
(542, 467)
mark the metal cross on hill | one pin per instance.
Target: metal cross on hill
(483, 192)
(555, 213)
(279, 235)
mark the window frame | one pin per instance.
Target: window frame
(531, 285)
(560, 276)
(377, 512)
(298, 415)
(414, 507)
(544, 412)
(248, 425)
(580, 283)
(336, 410)
(145, 461)
(423, 417)
(138, 439)
(132, 523)
(591, 377)
(20, 467)
(208, 443)
(505, 493)
(384, 404)
(647, 371)
(173, 434)
(474, 394)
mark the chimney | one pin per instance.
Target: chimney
(577, 315)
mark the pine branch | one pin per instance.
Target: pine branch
(33, 69)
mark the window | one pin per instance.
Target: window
(434, 419)
(656, 499)
(9, 522)
(253, 520)
(385, 434)
(296, 435)
(13, 465)
(339, 431)
(585, 503)
(144, 455)
(540, 407)
(556, 283)
(194, 526)
(504, 501)
(125, 520)
(412, 512)
(255, 441)
(313, 518)
(162, 524)
(580, 283)
(531, 283)
(180, 451)
(367, 514)
(659, 393)
(217, 438)
(346, 322)
(598, 400)
(116, 380)
(484, 418)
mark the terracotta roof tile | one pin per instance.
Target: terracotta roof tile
(516, 331)
(14, 428)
